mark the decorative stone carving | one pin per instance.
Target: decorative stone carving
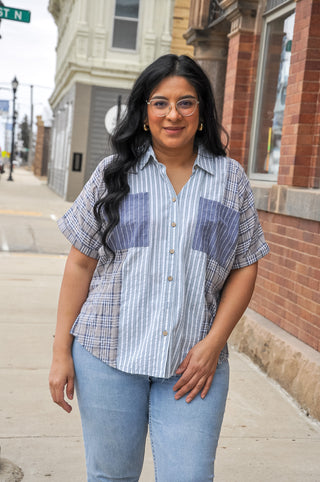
(241, 14)
(215, 12)
(210, 43)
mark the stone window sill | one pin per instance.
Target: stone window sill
(291, 201)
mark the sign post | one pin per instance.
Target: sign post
(16, 14)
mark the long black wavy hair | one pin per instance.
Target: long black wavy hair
(130, 141)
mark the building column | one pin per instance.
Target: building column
(149, 43)
(240, 75)
(166, 37)
(300, 142)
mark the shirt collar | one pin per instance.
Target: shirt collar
(204, 159)
(147, 156)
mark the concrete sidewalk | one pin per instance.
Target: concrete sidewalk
(265, 436)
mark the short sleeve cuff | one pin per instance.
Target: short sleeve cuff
(72, 237)
(251, 258)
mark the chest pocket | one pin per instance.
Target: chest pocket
(217, 231)
(132, 231)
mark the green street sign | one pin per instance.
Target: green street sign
(16, 14)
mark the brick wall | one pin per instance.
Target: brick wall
(37, 162)
(239, 92)
(40, 162)
(288, 285)
(179, 26)
(300, 161)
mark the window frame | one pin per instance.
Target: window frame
(130, 19)
(268, 17)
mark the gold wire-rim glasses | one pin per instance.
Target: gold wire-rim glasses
(162, 107)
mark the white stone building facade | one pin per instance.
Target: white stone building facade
(102, 47)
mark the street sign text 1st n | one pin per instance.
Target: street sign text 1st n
(16, 14)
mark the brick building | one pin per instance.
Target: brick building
(41, 156)
(179, 26)
(263, 58)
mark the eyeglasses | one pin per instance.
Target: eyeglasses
(162, 107)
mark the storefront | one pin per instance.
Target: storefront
(263, 58)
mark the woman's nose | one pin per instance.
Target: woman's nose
(173, 113)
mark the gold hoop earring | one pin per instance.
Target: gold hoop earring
(145, 127)
(200, 128)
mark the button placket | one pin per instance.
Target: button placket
(171, 261)
(173, 235)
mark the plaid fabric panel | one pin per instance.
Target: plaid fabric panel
(79, 224)
(251, 245)
(217, 231)
(97, 326)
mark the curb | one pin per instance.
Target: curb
(284, 358)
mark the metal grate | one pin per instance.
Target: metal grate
(215, 11)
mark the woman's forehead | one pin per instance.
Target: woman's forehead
(172, 86)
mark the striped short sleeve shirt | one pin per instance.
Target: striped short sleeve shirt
(158, 297)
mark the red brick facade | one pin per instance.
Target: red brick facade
(300, 151)
(40, 162)
(239, 92)
(288, 285)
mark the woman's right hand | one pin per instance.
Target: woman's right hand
(61, 380)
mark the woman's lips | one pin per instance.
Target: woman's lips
(173, 129)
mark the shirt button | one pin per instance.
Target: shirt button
(170, 278)
(165, 333)
(174, 199)
(171, 251)
(173, 224)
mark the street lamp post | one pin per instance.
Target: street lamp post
(14, 84)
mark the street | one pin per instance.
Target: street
(36, 435)
(265, 436)
(28, 223)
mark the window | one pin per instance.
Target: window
(272, 80)
(125, 25)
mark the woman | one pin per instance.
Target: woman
(165, 244)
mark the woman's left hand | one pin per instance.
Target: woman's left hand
(197, 371)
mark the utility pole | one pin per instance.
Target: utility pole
(30, 153)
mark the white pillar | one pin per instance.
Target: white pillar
(166, 38)
(149, 38)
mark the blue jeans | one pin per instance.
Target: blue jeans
(116, 408)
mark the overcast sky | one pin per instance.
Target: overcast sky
(27, 51)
